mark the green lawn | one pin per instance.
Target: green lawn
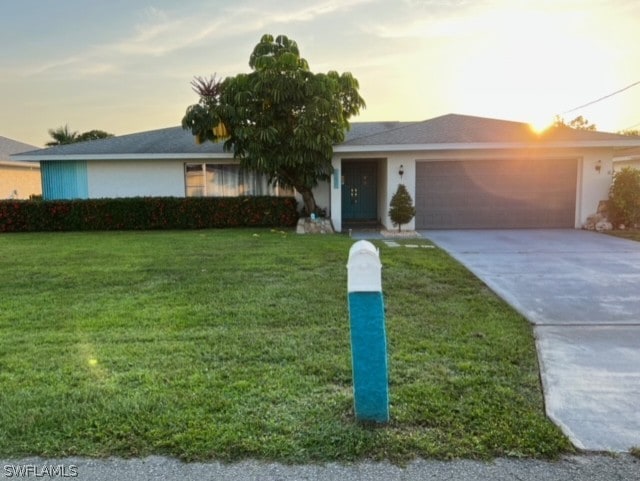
(632, 234)
(230, 344)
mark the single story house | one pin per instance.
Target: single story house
(462, 172)
(18, 180)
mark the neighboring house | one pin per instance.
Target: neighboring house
(18, 180)
(462, 172)
(627, 158)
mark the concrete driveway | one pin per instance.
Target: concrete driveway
(581, 290)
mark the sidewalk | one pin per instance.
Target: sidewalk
(572, 468)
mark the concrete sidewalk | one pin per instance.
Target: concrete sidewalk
(581, 290)
(574, 468)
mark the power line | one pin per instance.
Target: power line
(602, 98)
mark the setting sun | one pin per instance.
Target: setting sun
(541, 124)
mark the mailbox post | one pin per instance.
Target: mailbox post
(368, 334)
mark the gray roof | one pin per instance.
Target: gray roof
(451, 129)
(9, 147)
(466, 129)
(163, 141)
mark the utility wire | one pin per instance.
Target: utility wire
(602, 98)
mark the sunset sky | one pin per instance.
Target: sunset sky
(125, 65)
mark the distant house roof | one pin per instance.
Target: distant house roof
(627, 155)
(9, 147)
(450, 131)
(171, 140)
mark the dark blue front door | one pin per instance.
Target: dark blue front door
(359, 191)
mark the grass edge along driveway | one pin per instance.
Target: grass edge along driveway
(232, 344)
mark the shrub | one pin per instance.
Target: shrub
(402, 210)
(145, 213)
(624, 197)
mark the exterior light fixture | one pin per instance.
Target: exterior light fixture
(401, 171)
(598, 166)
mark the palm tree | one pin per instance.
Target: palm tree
(62, 136)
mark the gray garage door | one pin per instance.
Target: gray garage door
(496, 194)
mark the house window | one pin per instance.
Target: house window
(226, 180)
(194, 180)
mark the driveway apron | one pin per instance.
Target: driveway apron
(581, 291)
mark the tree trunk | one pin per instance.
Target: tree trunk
(308, 199)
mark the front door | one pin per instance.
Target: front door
(359, 191)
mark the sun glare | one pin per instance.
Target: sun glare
(541, 124)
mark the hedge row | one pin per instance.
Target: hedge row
(145, 213)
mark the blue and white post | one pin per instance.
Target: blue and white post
(368, 334)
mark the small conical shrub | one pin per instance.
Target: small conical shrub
(402, 210)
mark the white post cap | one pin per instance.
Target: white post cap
(364, 268)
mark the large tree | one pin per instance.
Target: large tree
(281, 120)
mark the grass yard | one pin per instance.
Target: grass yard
(632, 234)
(230, 344)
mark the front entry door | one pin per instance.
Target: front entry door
(359, 191)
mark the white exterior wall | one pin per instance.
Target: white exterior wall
(593, 185)
(408, 163)
(322, 194)
(140, 178)
(157, 178)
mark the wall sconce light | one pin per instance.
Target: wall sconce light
(401, 171)
(598, 166)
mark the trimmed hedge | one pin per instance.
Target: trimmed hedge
(146, 213)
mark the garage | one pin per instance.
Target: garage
(496, 193)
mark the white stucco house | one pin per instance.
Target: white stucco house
(462, 172)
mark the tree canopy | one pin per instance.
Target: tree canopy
(63, 136)
(281, 120)
(630, 132)
(93, 135)
(579, 123)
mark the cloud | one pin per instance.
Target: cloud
(310, 13)
(161, 33)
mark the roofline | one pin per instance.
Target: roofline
(615, 144)
(17, 163)
(150, 156)
(626, 158)
(464, 146)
